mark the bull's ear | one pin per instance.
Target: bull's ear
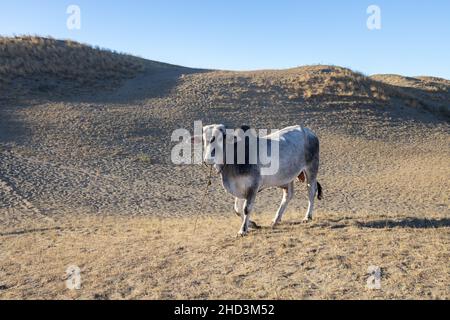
(245, 128)
(222, 129)
(196, 139)
(240, 132)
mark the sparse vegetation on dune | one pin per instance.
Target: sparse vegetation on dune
(40, 66)
(324, 83)
(429, 93)
(36, 66)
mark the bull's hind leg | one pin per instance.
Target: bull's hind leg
(288, 193)
(311, 178)
(239, 210)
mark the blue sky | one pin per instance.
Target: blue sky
(252, 34)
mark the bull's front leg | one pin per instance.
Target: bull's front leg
(248, 207)
(239, 210)
(239, 207)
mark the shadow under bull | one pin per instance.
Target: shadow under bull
(417, 223)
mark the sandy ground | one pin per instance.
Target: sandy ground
(172, 258)
(88, 182)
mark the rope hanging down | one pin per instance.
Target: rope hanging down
(202, 204)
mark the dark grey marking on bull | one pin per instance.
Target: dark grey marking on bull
(312, 148)
(240, 169)
(312, 151)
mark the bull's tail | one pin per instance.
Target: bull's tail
(319, 191)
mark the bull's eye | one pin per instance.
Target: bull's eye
(212, 140)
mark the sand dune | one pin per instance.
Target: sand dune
(85, 174)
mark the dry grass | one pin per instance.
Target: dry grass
(151, 258)
(29, 56)
(325, 83)
(36, 65)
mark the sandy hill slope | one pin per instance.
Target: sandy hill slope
(85, 141)
(330, 83)
(35, 66)
(430, 93)
(46, 67)
(110, 137)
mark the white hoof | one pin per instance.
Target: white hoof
(307, 220)
(242, 233)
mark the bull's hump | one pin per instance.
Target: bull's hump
(286, 131)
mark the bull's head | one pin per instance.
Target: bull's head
(213, 138)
